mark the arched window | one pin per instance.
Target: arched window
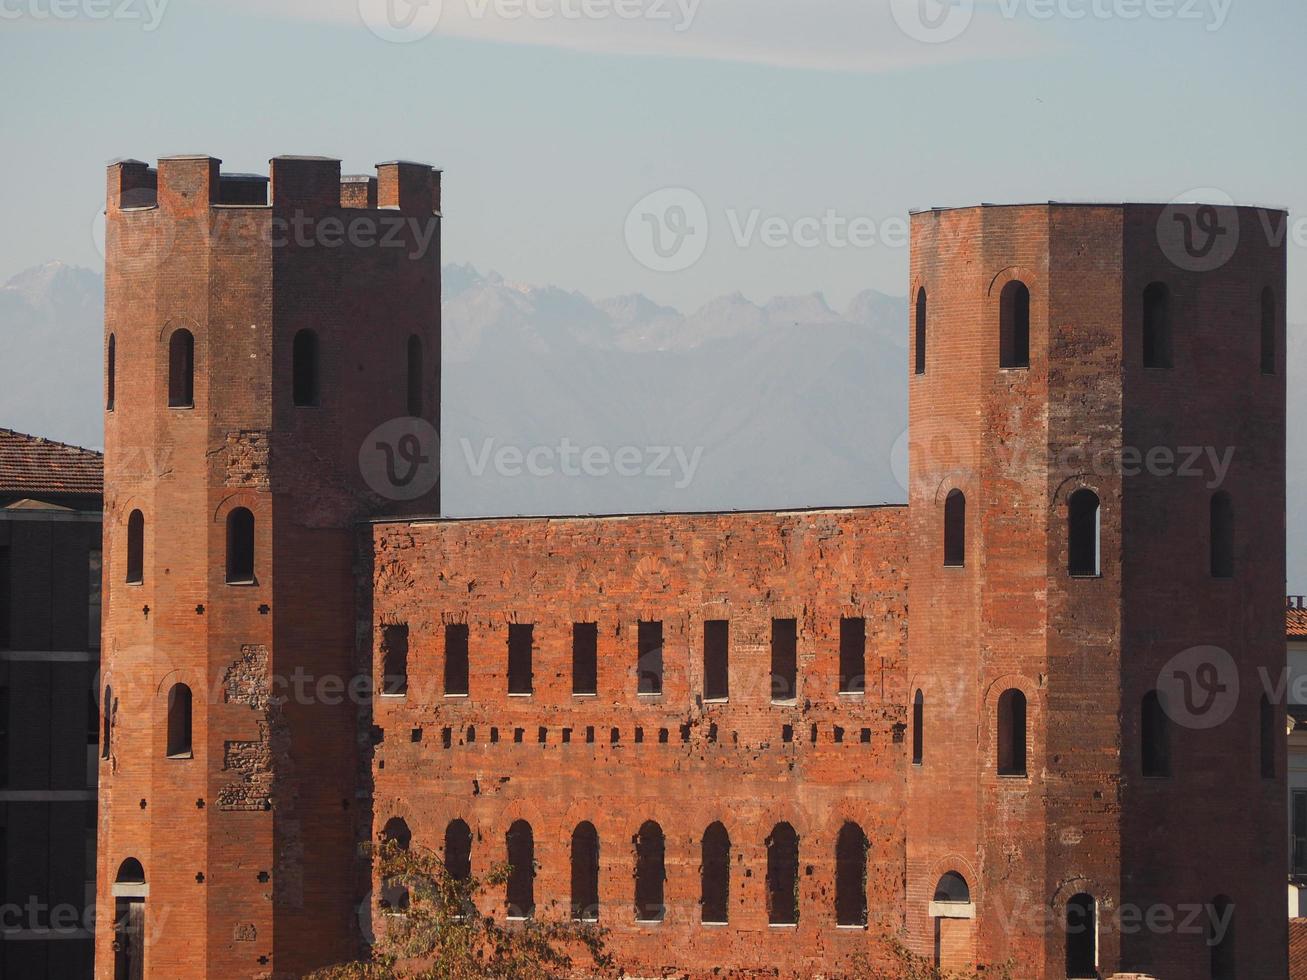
(649, 872)
(1220, 938)
(1155, 736)
(1222, 535)
(129, 890)
(181, 370)
(921, 332)
(715, 875)
(955, 528)
(851, 849)
(918, 719)
(305, 389)
(415, 376)
(179, 722)
(135, 548)
(1081, 937)
(783, 876)
(1157, 326)
(952, 889)
(130, 872)
(1269, 330)
(1266, 719)
(394, 894)
(520, 844)
(1014, 326)
(458, 850)
(106, 712)
(240, 546)
(1083, 533)
(1012, 733)
(110, 372)
(585, 872)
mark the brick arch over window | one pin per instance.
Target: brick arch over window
(955, 528)
(1013, 711)
(782, 875)
(650, 872)
(1014, 325)
(715, 874)
(519, 848)
(181, 369)
(179, 722)
(851, 849)
(921, 326)
(135, 548)
(458, 849)
(585, 872)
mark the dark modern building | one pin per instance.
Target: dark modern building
(50, 502)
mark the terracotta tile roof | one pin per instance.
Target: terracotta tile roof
(1298, 949)
(30, 464)
(1296, 618)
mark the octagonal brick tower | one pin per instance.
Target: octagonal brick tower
(1150, 329)
(256, 332)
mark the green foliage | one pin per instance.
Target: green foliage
(442, 935)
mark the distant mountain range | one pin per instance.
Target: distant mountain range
(558, 404)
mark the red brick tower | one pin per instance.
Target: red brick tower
(257, 333)
(1062, 346)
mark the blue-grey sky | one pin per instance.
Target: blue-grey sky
(552, 124)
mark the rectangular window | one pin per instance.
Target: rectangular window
(1300, 832)
(585, 658)
(716, 659)
(394, 659)
(6, 598)
(784, 659)
(651, 657)
(853, 655)
(519, 658)
(456, 669)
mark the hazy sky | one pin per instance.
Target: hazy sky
(552, 118)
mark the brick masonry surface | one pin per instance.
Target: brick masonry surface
(249, 840)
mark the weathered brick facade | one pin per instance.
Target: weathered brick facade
(980, 834)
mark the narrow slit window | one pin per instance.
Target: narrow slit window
(179, 722)
(585, 658)
(1155, 735)
(650, 642)
(1266, 720)
(1222, 535)
(520, 846)
(853, 655)
(110, 372)
(106, 711)
(1220, 939)
(1157, 326)
(415, 376)
(918, 719)
(181, 369)
(783, 876)
(920, 332)
(784, 659)
(1081, 937)
(135, 548)
(1084, 532)
(650, 873)
(1270, 328)
(585, 873)
(240, 547)
(955, 529)
(716, 659)
(456, 658)
(1014, 326)
(394, 660)
(1012, 733)
(520, 672)
(305, 382)
(458, 850)
(715, 874)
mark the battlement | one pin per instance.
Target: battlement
(189, 183)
